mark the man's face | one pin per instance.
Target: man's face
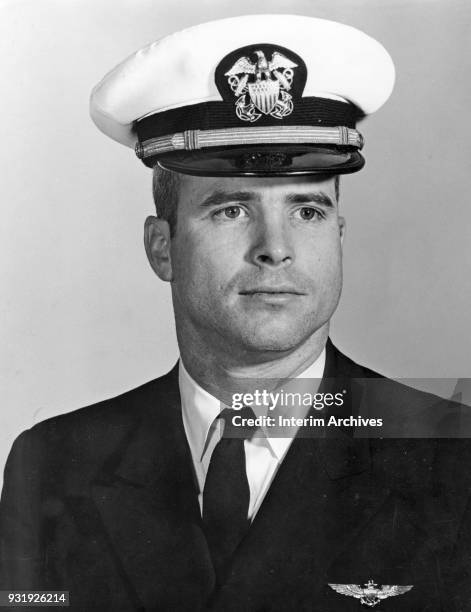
(255, 263)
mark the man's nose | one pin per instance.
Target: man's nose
(272, 246)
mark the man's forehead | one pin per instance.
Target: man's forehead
(198, 189)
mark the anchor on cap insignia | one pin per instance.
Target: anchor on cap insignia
(370, 594)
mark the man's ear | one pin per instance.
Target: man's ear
(342, 228)
(157, 243)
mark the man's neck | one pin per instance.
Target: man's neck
(222, 373)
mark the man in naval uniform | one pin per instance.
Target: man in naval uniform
(143, 502)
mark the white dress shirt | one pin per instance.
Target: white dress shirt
(263, 455)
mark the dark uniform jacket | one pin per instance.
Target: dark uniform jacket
(102, 502)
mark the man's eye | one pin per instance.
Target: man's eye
(307, 213)
(230, 212)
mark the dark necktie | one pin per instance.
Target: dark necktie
(226, 492)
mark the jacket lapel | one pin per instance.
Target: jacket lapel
(323, 494)
(147, 499)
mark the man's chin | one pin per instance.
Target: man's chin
(273, 338)
(280, 331)
(267, 346)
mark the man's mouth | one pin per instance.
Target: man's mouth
(271, 295)
(270, 290)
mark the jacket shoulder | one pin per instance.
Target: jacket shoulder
(111, 413)
(82, 439)
(407, 412)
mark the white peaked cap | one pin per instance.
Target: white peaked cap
(178, 71)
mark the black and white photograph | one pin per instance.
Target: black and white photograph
(235, 361)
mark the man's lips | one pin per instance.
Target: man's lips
(271, 296)
(269, 290)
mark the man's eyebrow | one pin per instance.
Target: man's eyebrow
(224, 197)
(309, 198)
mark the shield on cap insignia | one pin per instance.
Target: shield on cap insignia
(264, 94)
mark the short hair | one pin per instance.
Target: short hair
(337, 187)
(165, 186)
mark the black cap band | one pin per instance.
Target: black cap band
(218, 115)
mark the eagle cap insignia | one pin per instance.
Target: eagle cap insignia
(370, 594)
(261, 80)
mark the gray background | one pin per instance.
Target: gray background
(82, 315)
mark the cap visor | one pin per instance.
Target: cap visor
(264, 160)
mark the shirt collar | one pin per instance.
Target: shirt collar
(315, 371)
(200, 409)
